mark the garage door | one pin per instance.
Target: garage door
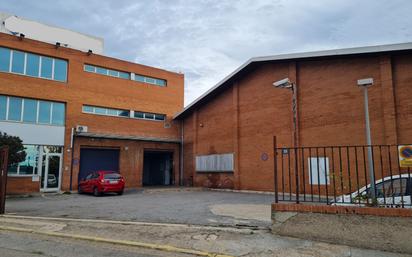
(92, 160)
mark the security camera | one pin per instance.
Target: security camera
(284, 83)
(365, 82)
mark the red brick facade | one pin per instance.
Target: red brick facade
(83, 88)
(243, 117)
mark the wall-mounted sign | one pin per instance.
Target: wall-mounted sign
(405, 155)
(285, 151)
(264, 157)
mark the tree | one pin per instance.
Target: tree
(16, 148)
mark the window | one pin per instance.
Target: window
(149, 116)
(58, 114)
(150, 80)
(30, 164)
(214, 163)
(46, 67)
(44, 112)
(14, 109)
(391, 188)
(319, 170)
(4, 59)
(31, 110)
(3, 107)
(32, 65)
(106, 111)
(107, 72)
(17, 65)
(60, 70)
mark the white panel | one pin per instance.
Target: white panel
(34, 134)
(215, 162)
(319, 174)
(50, 34)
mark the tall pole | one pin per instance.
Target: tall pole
(369, 143)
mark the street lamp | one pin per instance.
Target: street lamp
(365, 84)
(286, 83)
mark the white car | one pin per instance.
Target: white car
(391, 191)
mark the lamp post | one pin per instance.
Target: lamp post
(365, 84)
(286, 83)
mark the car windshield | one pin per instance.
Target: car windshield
(112, 176)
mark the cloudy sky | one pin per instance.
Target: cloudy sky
(206, 40)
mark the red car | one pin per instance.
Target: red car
(100, 182)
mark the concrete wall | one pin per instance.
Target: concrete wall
(245, 117)
(99, 90)
(375, 228)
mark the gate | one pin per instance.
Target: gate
(345, 175)
(4, 151)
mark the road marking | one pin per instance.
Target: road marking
(229, 228)
(166, 248)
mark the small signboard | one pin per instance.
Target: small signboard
(405, 155)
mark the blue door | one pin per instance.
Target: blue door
(92, 160)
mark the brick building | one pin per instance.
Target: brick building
(77, 111)
(228, 131)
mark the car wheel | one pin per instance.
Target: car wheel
(96, 192)
(120, 192)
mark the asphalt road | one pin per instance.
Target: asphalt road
(189, 207)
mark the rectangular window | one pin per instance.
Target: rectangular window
(15, 109)
(319, 170)
(89, 68)
(139, 115)
(60, 70)
(32, 65)
(160, 117)
(149, 116)
(102, 71)
(4, 59)
(150, 80)
(3, 107)
(18, 62)
(139, 78)
(214, 163)
(107, 72)
(99, 110)
(46, 67)
(87, 108)
(58, 114)
(124, 113)
(30, 111)
(44, 112)
(124, 75)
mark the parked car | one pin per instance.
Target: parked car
(51, 180)
(391, 191)
(101, 182)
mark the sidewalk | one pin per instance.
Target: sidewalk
(200, 239)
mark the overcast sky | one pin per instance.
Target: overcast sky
(206, 40)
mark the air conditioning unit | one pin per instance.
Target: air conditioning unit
(80, 128)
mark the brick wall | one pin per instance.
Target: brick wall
(99, 90)
(245, 117)
(22, 185)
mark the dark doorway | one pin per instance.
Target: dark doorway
(158, 169)
(92, 160)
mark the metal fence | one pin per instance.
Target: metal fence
(3, 177)
(364, 175)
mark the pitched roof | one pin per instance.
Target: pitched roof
(336, 52)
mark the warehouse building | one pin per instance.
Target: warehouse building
(78, 111)
(229, 131)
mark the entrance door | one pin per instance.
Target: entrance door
(51, 172)
(158, 169)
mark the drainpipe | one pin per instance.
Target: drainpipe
(181, 153)
(71, 165)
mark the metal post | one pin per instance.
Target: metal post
(294, 114)
(4, 152)
(369, 143)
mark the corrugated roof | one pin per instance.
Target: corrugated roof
(304, 55)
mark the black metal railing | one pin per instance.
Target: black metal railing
(362, 175)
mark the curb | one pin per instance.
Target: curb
(166, 248)
(229, 228)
